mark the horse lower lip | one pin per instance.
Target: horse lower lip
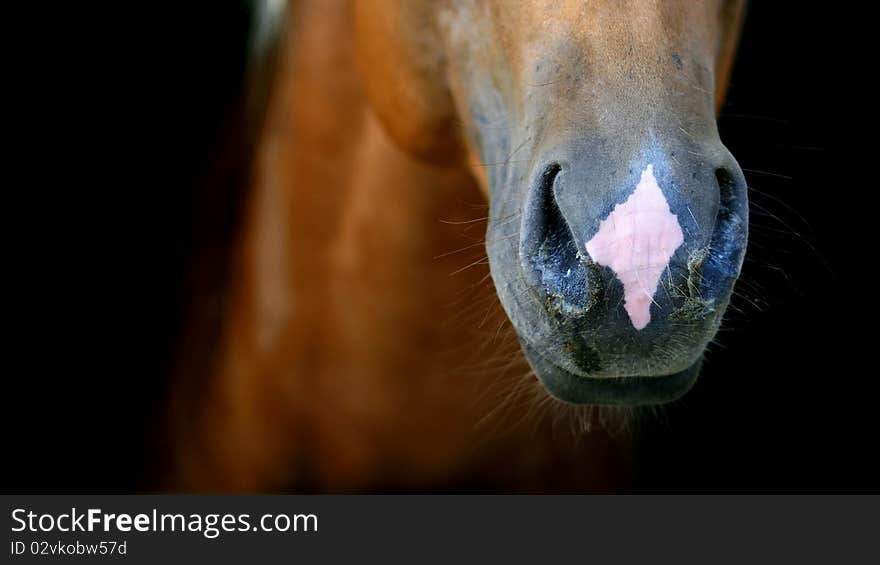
(623, 391)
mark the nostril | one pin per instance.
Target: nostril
(549, 252)
(728, 241)
(553, 228)
(727, 198)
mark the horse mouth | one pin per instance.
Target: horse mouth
(610, 391)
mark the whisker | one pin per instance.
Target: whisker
(481, 261)
(458, 223)
(767, 173)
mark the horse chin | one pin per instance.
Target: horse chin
(610, 391)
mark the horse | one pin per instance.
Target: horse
(477, 237)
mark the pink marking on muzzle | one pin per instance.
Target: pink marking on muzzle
(636, 241)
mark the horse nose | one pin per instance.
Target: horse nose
(635, 254)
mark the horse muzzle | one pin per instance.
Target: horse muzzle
(629, 266)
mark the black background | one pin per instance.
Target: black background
(129, 118)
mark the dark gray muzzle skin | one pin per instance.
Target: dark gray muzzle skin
(551, 186)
